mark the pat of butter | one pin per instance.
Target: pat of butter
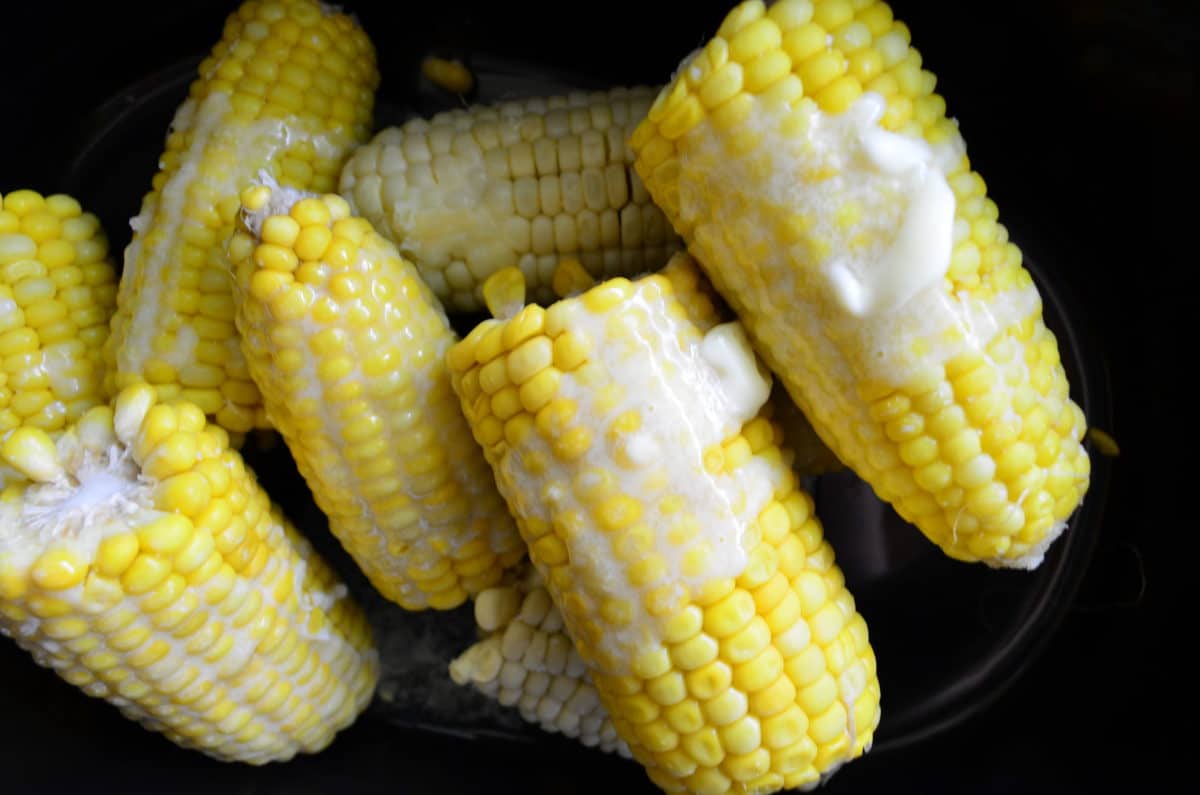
(918, 254)
(743, 387)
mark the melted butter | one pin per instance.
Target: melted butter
(691, 392)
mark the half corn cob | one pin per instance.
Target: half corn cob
(142, 562)
(528, 661)
(813, 172)
(470, 192)
(625, 431)
(348, 347)
(288, 90)
(57, 293)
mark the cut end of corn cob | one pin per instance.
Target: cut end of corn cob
(289, 90)
(520, 184)
(527, 661)
(348, 347)
(627, 432)
(141, 561)
(805, 159)
(57, 294)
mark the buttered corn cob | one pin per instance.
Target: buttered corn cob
(470, 192)
(57, 293)
(348, 347)
(141, 561)
(289, 90)
(527, 661)
(625, 430)
(813, 172)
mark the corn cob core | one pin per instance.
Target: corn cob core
(527, 660)
(349, 347)
(57, 293)
(288, 90)
(624, 429)
(806, 160)
(470, 192)
(142, 562)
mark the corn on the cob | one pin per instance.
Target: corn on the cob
(142, 562)
(289, 90)
(348, 347)
(815, 175)
(528, 661)
(624, 429)
(470, 192)
(57, 293)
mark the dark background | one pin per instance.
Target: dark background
(1080, 115)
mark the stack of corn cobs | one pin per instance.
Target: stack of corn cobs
(602, 471)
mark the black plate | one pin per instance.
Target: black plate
(950, 638)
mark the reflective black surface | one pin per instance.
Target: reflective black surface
(1075, 114)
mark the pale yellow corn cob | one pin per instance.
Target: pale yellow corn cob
(288, 91)
(57, 293)
(813, 172)
(527, 661)
(470, 192)
(348, 347)
(142, 562)
(625, 431)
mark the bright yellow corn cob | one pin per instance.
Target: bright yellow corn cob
(528, 661)
(470, 192)
(815, 175)
(143, 563)
(349, 347)
(57, 293)
(625, 431)
(289, 90)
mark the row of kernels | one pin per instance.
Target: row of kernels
(397, 557)
(728, 665)
(300, 64)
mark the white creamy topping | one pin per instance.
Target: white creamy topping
(844, 237)
(742, 384)
(691, 394)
